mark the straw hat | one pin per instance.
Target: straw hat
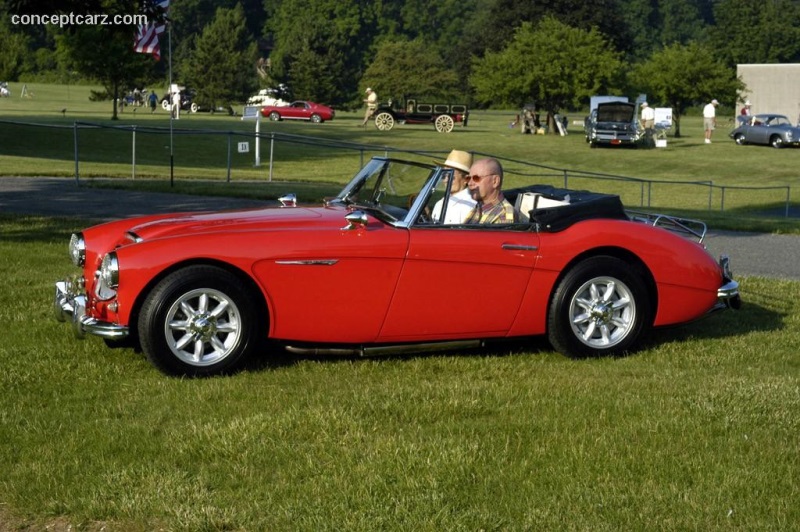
(460, 160)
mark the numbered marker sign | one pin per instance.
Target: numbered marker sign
(244, 147)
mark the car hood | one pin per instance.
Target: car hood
(272, 218)
(615, 112)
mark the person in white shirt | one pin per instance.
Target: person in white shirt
(460, 202)
(372, 104)
(648, 121)
(710, 119)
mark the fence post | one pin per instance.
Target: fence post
(788, 192)
(229, 156)
(566, 179)
(271, 151)
(75, 146)
(722, 199)
(133, 153)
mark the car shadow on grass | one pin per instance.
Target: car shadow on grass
(719, 326)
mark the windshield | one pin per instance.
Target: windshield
(389, 188)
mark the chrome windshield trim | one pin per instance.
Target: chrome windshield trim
(318, 262)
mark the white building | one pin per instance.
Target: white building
(771, 88)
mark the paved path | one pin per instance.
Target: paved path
(751, 253)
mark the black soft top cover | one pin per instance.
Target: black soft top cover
(583, 205)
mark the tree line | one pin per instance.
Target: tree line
(488, 53)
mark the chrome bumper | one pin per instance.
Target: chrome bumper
(67, 302)
(728, 293)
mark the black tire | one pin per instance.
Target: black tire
(739, 139)
(316, 119)
(776, 141)
(274, 116)
(601, 307)
(199, 321)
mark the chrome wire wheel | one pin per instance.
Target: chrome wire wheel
(602, 312)
(203, 327)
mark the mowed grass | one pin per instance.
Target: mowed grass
(698, 431)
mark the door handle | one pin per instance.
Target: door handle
(519, 247)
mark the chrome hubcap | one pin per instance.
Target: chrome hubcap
(602, 312)
(203, 327)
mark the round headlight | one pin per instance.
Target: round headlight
(77, 249)
(109, 270)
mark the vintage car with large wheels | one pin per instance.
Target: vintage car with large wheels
(202, 293)
(443, 116)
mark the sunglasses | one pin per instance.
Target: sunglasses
(477, 178)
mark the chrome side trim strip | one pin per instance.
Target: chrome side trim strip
(317, 262)
(520, 247)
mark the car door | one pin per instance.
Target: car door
(460, 282)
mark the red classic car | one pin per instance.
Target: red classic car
(372, 272)
(299, 110)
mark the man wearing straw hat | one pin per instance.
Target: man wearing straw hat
(460, 202)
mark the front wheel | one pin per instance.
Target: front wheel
(384, 121)
(776, 141)
(599, 308)
(739, 139)
(199, 321)
(274, 116)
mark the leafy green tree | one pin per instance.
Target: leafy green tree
(320, 47)
(754, 31)
(682, 76)
(606, 16)
(222, 67)
(552, 64)
(15, 49)
(105, 53)
(411, 68)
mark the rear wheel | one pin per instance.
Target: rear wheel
(600, 308)
(199, 321)
(444, 123)
(776, 141)
(316, 119)
(384, 121)
(194, 108)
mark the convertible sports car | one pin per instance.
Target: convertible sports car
(772, 130)
(299, 110)
(370, 272)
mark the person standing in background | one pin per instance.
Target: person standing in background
(710, 119)
(372, 103)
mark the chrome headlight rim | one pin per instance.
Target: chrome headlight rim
(77, 249)
(109, 270)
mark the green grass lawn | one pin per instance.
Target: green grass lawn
(698, 431)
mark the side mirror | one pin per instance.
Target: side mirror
(289, 200)
(355, 220)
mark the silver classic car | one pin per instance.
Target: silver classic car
(768, 129)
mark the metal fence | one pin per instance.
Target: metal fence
(71, 149)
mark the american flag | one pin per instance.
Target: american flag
(146, 41)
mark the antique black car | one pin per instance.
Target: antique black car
(613, 124)
(443, 116)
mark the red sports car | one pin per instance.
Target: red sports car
(299, 110)
(372, 271)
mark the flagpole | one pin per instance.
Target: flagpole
(171, 110)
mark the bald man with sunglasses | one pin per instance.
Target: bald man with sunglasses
(485, 181)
